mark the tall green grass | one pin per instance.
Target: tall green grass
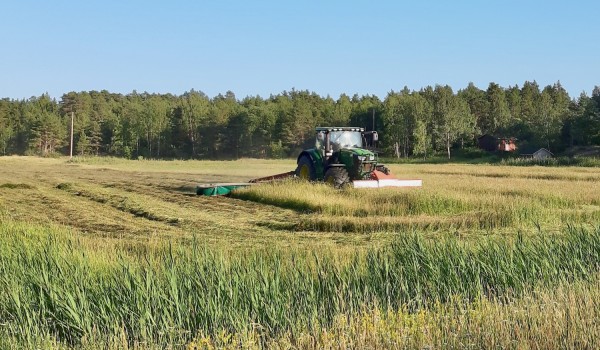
(53, 287)
(565, 317)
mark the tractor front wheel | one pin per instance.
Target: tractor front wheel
(337, 176)
(306, 169)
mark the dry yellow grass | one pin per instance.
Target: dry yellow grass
(152, 200)
(470, 199)
(117, 200)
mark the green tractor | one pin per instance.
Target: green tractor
(340, 158)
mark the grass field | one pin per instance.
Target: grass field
(108, 253)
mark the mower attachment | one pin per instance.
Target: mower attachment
(386, 183)
(381, 179)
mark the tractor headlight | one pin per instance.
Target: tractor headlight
(371, 157)
(362, 158)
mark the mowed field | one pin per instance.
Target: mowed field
(110, 253)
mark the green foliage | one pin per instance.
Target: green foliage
(277, 150)
(559, 161)
(422, 142)
(498, 113)
(46, 132)
(192, 125)
(83, 144)
(452, 118)
(6, 133)
(406, 117)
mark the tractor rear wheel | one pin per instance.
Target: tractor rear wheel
(306, 169)
(337, 176)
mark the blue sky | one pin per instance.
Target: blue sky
(266, 47)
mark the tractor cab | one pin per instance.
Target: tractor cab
(330, 140)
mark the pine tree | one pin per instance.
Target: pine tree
(83, 144)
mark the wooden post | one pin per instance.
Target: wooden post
(373, 129)
(71, 151)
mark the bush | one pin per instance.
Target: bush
(559, 161)
(277, 150)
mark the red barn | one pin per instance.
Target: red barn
(507, 145)
(492, 143)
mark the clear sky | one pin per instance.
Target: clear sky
(265, 47)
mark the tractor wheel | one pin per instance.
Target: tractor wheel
(337, 176)
(306, 169)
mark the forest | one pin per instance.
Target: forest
(432, 120)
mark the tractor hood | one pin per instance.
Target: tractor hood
(360, 152)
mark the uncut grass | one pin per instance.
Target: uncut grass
(442, 204)
(52, 287)
(565, 317)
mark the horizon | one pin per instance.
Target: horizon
(241, 98)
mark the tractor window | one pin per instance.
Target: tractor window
(345, 139)
(320, 143)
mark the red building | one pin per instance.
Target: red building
(492, 143)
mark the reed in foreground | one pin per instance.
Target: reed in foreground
(53, 288)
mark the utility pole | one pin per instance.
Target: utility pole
(373, 129)
(71, 151)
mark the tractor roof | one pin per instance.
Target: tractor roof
(339, 128)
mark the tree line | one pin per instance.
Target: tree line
(420, 123)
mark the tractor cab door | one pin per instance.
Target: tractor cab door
(322, 144)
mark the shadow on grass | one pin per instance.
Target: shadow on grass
(287, 203)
